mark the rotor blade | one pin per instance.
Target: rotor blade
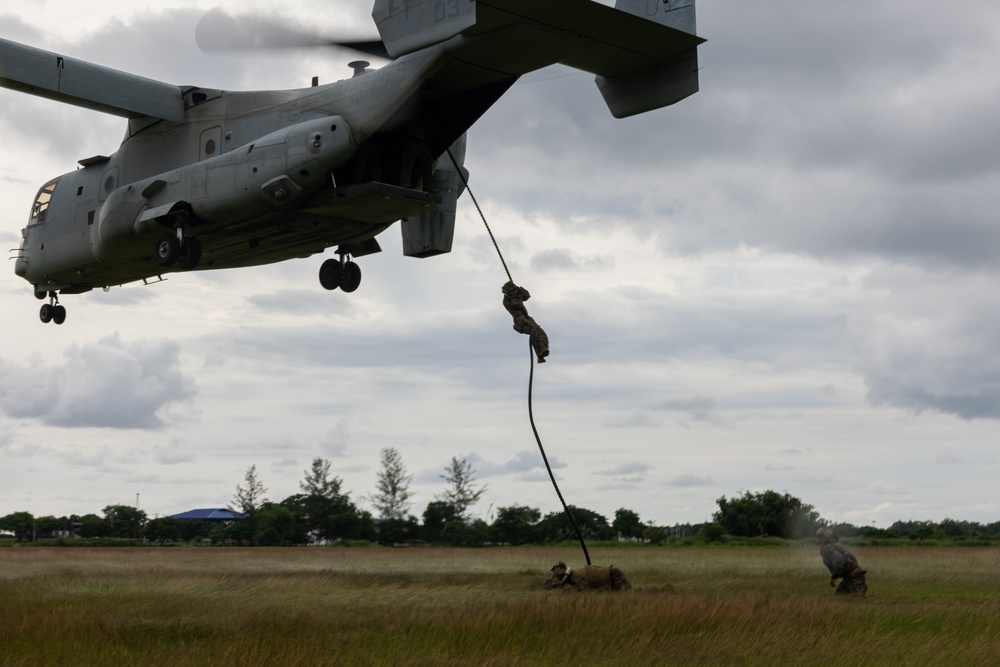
(220, 31)
(373, 47)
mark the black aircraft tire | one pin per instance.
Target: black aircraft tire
(190, 253)
(168, 248)
(59, 314)
(45, 313)
(330, 274)
(351, 279)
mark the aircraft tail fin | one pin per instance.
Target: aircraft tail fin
(408, 25)
(664, 84)
(644, 52)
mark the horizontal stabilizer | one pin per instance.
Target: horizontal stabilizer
(644, 52)
(595, 38)
(46, 74)
(654, 88)
(669, 82)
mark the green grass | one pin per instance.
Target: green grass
(379, 606)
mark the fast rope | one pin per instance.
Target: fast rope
(531, 374)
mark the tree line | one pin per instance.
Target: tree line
(324, 513)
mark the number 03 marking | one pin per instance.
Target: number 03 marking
(445, 10)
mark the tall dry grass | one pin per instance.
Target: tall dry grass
(330, 606)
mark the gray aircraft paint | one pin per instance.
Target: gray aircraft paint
(265, 176)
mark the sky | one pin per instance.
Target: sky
(787, 281)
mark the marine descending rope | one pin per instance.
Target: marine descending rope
(531, 374)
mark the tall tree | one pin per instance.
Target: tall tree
(392, 487)
(461, 492)
(627, 523)
(124, 521)
(318, 482)
(557, 527)
(328, 513)
(247, 501)
(766, 513)
(516, 524)
(48, 525)
(249, 496)
(92, 525)
(437, 514)
(163, 529)
(278, 525)
(19, 523)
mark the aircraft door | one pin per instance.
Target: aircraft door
(211, 143)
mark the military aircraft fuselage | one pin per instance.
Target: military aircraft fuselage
(211, 179)
(256, 175)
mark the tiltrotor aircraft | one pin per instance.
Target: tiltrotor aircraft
(213, 179)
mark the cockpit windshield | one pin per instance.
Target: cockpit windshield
(42, 202)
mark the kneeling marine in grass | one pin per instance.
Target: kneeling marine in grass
(587, 578)
(842, 564)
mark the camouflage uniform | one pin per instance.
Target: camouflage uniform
(588, 577)
(513, 300)
(842, 565)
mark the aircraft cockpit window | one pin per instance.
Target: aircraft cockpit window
(41, 204)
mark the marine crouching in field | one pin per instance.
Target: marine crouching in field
(587, 578)
(842, 565)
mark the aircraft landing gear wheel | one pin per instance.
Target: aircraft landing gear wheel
(52, 311)
(189, 254)
(330, 274)
(351, 279)
(168, 248)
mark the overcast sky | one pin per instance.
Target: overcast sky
(787, 281)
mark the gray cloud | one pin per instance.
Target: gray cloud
(632, 419)
(925, 349)
(691, 480)
(338, 440)
(173, 453)
(562, 259)
(301, 302)
(820, 215)
(110, 384)
(697, 405)
(524, 463)
(696, 409)
(880, 148)
(633, 468)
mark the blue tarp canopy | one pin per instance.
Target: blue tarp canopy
(210, 514)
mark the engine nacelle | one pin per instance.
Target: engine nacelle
(276, 171)
(432, 232)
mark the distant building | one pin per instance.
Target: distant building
(209, 514)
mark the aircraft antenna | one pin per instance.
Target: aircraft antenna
(531, 374)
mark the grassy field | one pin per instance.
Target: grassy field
(378, 606)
